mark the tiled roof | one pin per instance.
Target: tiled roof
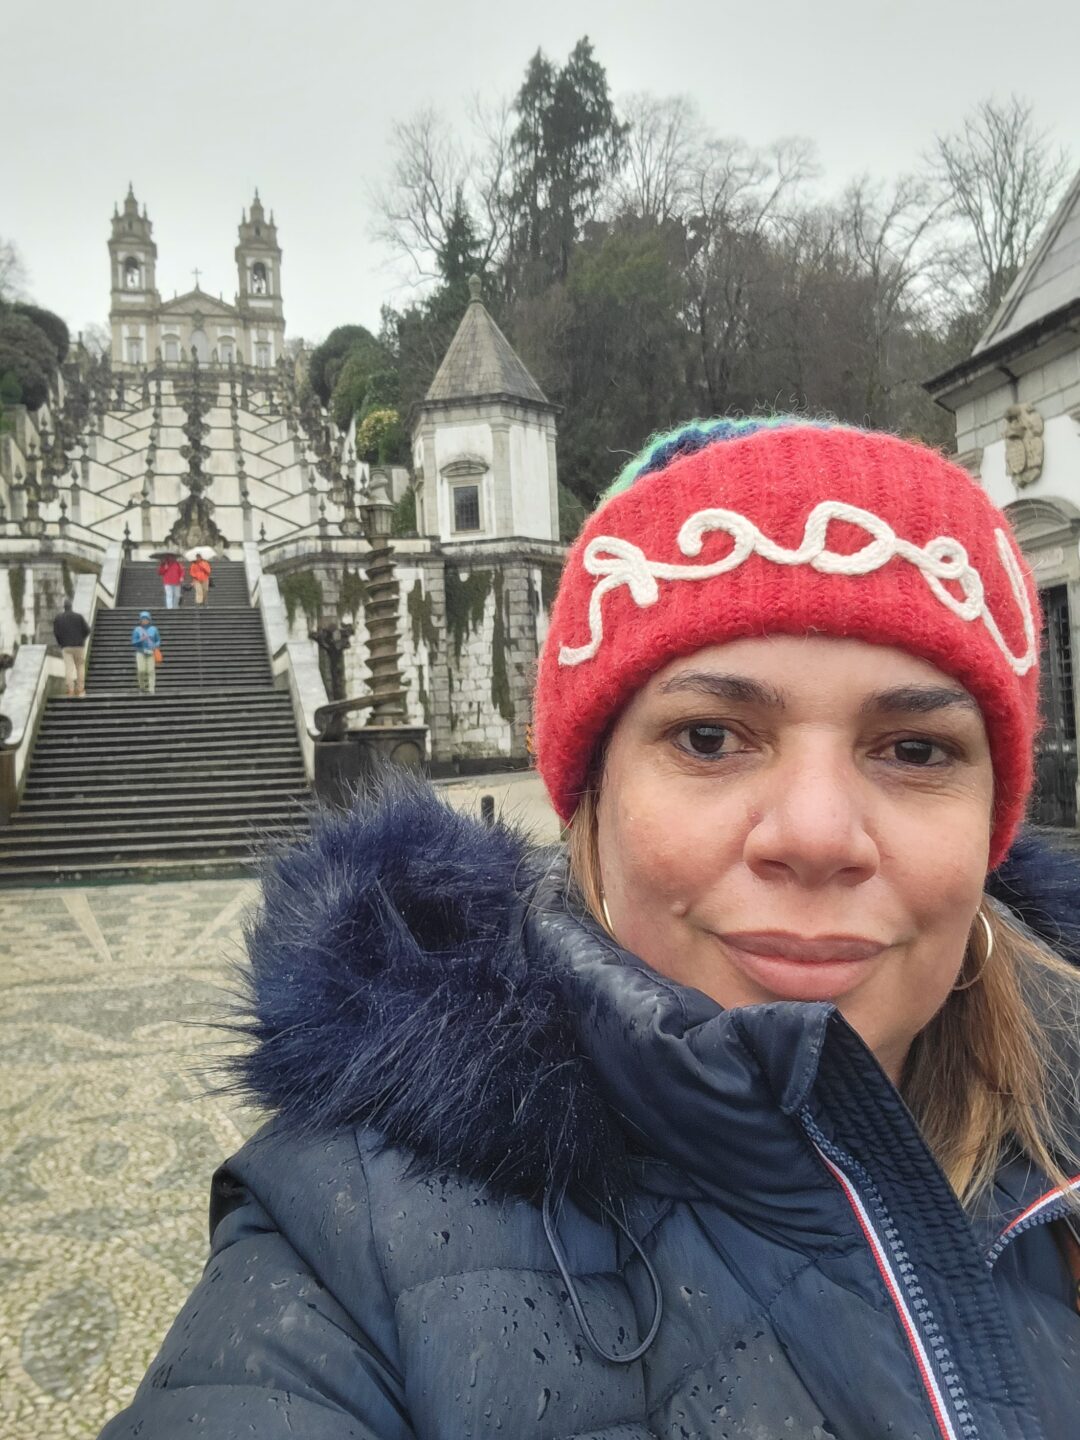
(1049, 279)
(481, 363)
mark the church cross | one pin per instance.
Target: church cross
(196, 273)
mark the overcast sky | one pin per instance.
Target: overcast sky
(199, 102)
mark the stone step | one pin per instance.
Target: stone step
(98, 741)
(229, 782)
(166, 766)
(116, 800)
(142, 845)
(58, 822)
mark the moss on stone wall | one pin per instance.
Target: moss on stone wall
(423, 627)
(423, 696)
(353, 595)
(549, 584)
(17, 586)
(302, 590)
(465, 601)
(500, 674)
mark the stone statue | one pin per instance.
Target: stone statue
(1023, 444)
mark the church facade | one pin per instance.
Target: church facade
(147, 330)
(192, 432)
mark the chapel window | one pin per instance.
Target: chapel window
(132, 273)
(262, 354)
(466, 507)
(259, 284)
(134, 350)
(172, 348)
(228, 354)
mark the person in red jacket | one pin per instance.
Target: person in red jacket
(172, 577)
(200, 578)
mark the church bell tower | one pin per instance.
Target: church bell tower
(258, 267)
(135, 301)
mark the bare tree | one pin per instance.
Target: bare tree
(96, 338)
(664, 147)
(742, 199)
(1000, 178)
(435, 185)
(12, 271)
(893, 234)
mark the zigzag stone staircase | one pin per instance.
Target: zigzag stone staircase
(189, 780)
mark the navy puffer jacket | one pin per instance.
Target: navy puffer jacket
(519, 1184)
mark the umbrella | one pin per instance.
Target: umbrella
(163, 554)
(201, 552)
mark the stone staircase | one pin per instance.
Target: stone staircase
(189, 780)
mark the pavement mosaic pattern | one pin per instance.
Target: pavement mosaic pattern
(109, 1131)
(108, 1135)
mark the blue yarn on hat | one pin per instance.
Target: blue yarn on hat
(688, 439)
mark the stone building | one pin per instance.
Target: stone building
(217, 447)
(145, 328)
(1016, 401)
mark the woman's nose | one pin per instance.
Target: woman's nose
(810, 825)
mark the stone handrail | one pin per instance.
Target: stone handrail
(295, 663)
(30, 679)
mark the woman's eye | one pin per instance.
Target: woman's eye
(918, 752)
(705, 739)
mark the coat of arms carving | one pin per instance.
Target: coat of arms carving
(1023, 444)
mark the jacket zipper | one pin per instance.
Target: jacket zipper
(1047, 1208)
(933, 1362)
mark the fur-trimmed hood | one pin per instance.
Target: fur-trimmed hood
(397, 979)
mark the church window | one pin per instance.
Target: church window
(134, 350)
(259, 284)
(172, 348)
(132, 273)
(262, 354)
(466, 507)
(228, 354)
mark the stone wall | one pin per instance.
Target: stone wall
(470, 625)
(32, 591)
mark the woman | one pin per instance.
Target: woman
(757, 1122)
(200, 572)
(171, 574)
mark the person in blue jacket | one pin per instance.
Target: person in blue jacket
(753, 1112)
(145, 642)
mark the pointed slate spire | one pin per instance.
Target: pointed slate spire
(481, 363)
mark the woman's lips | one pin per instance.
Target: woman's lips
(796, 967)
(780, 945)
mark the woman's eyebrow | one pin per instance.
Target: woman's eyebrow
(917, 700)
(737, 689)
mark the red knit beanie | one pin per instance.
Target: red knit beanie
(780, 526)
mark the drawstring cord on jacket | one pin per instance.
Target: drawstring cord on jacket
(560, 1261)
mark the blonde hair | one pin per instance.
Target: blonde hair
(983, 1079)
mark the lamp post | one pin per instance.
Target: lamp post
(377, 514)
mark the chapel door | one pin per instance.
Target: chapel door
(1055, 755)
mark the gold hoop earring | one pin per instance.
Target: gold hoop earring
(988, 932)
(607, 916)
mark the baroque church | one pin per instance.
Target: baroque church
(198, 429)
(146, 328)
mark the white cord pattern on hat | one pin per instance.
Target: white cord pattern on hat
(620, 562)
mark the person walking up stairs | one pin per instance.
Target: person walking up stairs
(220, 762)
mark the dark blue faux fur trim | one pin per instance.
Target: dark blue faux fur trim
(388, 986)
(1042, 886)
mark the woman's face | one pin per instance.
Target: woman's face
(796, 818)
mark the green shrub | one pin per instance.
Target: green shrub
(381, 438)
(50, 324)
(29, 355)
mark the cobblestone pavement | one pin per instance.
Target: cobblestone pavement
(108, 1131)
